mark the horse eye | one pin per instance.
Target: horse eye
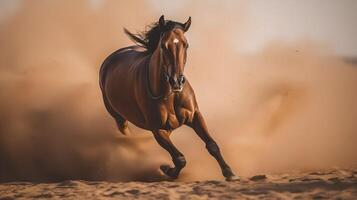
(187, 46)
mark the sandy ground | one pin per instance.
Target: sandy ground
(332, 184)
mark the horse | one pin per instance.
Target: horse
(145, 84)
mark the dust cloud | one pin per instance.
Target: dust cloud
(289, 107)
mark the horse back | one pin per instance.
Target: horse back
(133, 52)
(121, 77)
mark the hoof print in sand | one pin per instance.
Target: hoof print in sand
(258, 178)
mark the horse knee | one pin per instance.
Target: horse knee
(180, 162)
(212, 148)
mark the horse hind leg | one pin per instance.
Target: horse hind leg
(121, 122)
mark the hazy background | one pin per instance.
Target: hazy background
(276, 81)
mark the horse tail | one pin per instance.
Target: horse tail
(135, 38)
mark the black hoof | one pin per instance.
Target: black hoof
(169, 171)
(227, 172)
(232, 178)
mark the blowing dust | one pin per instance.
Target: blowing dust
(289, 107)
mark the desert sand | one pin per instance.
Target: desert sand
(289, 105)
(328, 184)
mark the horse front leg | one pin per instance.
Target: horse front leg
(162, 137)
(199, 125)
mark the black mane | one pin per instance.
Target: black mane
(150, 38)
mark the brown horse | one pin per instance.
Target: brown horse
(145, 85)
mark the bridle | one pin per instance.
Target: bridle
(148, 88)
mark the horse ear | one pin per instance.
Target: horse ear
(162, 21)
(187, 24)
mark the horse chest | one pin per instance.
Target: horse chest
(168, 118)
(169, 121)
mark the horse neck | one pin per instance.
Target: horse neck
(155, 70)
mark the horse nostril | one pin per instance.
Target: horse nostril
(182, 79)
(171, 80)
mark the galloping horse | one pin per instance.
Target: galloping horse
(145, 85)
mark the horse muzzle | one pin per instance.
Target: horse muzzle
(177, 83)
(177, 89)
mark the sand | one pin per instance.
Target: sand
(328, 184)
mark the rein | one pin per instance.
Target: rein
(148, 88)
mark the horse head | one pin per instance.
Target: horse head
(173, 51)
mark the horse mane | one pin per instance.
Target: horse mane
(150, 38)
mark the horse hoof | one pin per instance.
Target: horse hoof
(168, 171)
(233, 178)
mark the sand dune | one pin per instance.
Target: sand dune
(334, 183)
